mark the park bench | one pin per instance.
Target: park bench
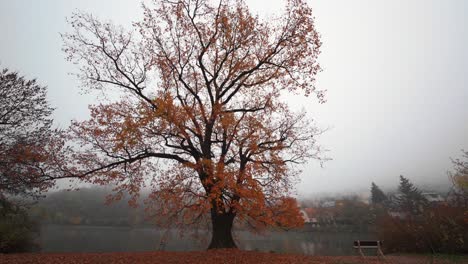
(369, 244)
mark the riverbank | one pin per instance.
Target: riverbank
(223, 256)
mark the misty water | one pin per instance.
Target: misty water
(66, 238)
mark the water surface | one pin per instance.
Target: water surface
(66, 238)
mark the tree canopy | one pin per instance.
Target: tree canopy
(25, 135)
(202, 117)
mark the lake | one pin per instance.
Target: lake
(67, 238)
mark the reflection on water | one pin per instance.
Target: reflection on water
(56, 238)
(309, 243)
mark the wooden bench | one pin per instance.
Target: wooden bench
(369, 244)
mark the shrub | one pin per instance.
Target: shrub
(17, 231)
(439, 229)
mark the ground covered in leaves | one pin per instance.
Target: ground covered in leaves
(211, 257)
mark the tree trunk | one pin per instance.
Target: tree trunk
(222, 231)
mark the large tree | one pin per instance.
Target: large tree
(202, 116)
(26, 136)
(26, 141)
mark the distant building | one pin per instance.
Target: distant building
(309, 215)
(328, 204)
(397, 212)
(305, 216)
(433, 197)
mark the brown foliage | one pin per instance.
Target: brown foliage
(439, 229)
(201, 118)
(26, 137)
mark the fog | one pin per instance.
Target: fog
(394, 71)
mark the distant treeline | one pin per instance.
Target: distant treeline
(87, 206)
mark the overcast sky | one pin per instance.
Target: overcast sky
(396, 74)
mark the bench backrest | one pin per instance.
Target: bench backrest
(367, 243)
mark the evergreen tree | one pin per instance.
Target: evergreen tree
(377, 195)
(410, 198)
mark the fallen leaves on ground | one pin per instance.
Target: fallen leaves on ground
(224, 256)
